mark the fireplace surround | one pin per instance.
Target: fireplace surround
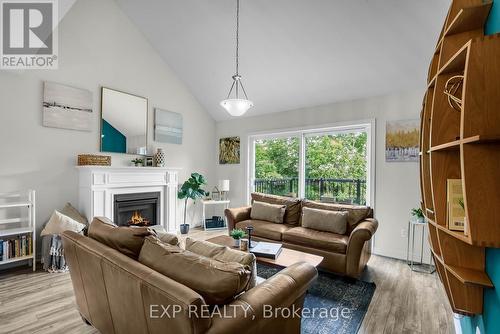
(99, 186)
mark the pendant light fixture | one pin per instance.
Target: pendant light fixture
(237, 106)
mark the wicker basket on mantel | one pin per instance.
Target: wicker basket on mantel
(94, 160)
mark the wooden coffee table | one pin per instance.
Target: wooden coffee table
(286, 258)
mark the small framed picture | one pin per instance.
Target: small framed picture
(149, 161)
(215, 195)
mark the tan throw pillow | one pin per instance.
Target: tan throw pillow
(273, 213)
(59, 223)
(73, 213)
(217, 282)
(324, 220)
(224, 254)
(126, 240)
(292, 212)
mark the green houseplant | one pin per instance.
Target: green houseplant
(191, 189)
(418, 214)
(237, 234)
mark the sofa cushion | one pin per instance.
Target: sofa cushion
(58, 223)
(126, 240)
(73, 213)
(357, 213)
(325, 220)
(224, 254)
(292, 212)
(317, 239)
(265, 229)
(218, 282)
(273, 213)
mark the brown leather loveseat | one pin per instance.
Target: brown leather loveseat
(116, 293)
(346, 254)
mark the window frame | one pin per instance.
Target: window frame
(301, 134)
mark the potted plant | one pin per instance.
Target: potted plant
(138, 162)
(191, 189)
(418, 215)
(237, 234)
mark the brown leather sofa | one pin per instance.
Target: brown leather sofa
(114, 293)
(345, 254)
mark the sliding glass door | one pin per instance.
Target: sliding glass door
(336, 167)
(329, 165)
(277, 166)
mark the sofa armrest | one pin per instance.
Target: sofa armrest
(251, 311)
(236, 215)
(358, 247)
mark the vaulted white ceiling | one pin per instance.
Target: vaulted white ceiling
(293, 53)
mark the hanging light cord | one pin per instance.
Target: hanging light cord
(237, 78)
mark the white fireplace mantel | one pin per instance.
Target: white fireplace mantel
(99, 184)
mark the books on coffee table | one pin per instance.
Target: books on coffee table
(266, 249)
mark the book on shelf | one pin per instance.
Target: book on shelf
(455, 198)
(18, 246)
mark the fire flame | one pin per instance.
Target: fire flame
(137, 219)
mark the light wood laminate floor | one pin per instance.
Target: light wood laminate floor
(404, 301)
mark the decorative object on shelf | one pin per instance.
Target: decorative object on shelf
(244, 245)
(453, 89)
(229, 150)
(160, 157)
(237, 234)
(168, 126)
(149, 161)
(462, 205)
(124, 122)
(456, 212)
(223, 189)
(138, 162)
(94, 160)
(237, 106)
(402, 141)
(66, 107)
(191, 189)
(418, 215)
(216, 194)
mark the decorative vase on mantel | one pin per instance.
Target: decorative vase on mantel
(160, 158)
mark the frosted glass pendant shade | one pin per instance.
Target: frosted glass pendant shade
(236, 107)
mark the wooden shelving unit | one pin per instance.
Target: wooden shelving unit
(463, 143)
(16, 227)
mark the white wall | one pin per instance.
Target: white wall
(98, 46)
(396, 184)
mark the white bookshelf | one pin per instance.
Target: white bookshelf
(23, 223)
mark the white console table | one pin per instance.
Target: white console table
(213, 202)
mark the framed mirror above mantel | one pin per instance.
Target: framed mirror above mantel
(124, 122)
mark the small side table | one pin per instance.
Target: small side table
(421, 267)
(213, 202)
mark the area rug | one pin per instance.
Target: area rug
(328, 297)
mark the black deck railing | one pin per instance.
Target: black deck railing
(351, 191)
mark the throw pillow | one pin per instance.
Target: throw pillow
(224, 254)
(217, 282)
(59, 223)
(126, 240)
(273, 213)
(292, 212)
(73, 213)
(324, 220)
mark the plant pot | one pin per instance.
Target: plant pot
(184, 228)
(236, 243)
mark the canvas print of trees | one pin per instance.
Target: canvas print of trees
(402, 140)
(67, 107)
